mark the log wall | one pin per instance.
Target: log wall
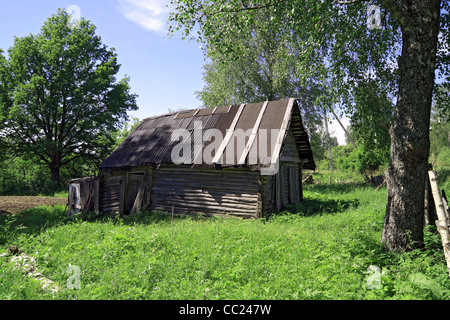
(229, 191)
(110, 194)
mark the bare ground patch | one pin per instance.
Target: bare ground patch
(13, 205)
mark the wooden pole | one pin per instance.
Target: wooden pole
(328, 140)
(441, 224)
(71, 192)
(171, 221)
(96, 194)
(342, 126)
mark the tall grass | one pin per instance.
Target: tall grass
(319, 249)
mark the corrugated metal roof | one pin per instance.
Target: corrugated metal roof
(152, 142)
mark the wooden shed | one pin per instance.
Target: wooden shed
(244, 160)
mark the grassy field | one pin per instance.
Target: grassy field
(327, 247)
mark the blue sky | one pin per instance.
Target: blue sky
(165, 72)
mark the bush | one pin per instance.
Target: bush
(363, 160)
(443, 158)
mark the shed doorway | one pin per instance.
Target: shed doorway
(134, 192)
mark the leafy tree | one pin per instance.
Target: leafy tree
(125, 131)
(370, 123)
(264, 72)
(59, 98)
(402, 54)
(440, 123)
(440, 133)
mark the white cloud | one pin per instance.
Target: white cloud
(148, 14)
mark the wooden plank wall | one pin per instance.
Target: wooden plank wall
(134, 184)
(125, 192)
(284, 187)
(110, 194)
(230, 191)
(269, 194)
(289, 150)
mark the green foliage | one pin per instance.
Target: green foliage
(363, 160)
(320, 249)
(443, 158)
(440, 141)
(327, 45)
(59, 98)
(370, 123)
(267, 69)
(28, 176)
(126, 130)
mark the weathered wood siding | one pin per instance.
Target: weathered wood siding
(110, 194)
(284, 187)
(229, 191)
(289, 149)
(125, 192)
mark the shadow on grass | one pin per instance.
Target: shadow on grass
(33, 221)
(15, 228)
(340, 188)
(29, 222)
(319, 206)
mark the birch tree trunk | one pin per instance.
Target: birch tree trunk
(441, 223)
(403, 223)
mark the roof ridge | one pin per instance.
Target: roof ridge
(160, 116)
(183, 111)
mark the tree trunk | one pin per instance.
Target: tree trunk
(54, 166)
(330, 159)
(441, 223)
(430, 210)
(403, 223)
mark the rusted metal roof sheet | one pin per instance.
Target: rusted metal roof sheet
(153, 140)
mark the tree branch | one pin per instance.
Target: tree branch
(390, 5)
(245, 8)
(73, 158)
(394, 8)
(350, 1)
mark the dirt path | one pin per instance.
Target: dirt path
(14, 205)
